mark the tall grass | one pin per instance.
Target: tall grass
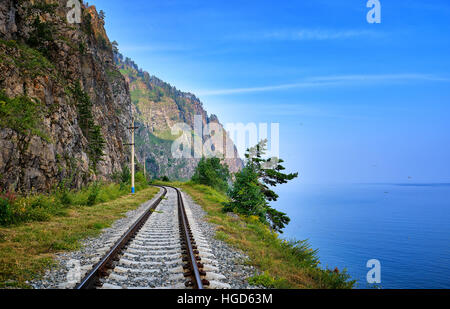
(16, 209)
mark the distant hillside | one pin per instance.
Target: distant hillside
(158, 107)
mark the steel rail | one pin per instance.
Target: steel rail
(99, 270)
(193, 260)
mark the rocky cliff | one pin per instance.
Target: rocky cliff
(158, 107)
(64, 106)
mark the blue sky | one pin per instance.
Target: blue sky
(356, 102)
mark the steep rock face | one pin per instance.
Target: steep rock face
(42, 58)
(158, 107)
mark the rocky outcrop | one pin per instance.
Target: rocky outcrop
(158, 107)
(48, 67)
(42, 58)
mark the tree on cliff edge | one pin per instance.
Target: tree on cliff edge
(251, 191)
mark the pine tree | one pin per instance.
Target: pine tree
(91, 132)
(246, 196)
(102, 15)
(251, 193)
(211, 172)
(269, 170)
(115, 47)
(96, 145)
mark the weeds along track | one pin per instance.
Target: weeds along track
(164, 248)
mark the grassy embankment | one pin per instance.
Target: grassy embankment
(282, 263)
(43, 225)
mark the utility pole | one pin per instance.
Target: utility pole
(132, 155)
(132, 128)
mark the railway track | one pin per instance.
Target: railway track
(164, 248)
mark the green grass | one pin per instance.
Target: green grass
(16, 209)
(28, 249)
(283, 264)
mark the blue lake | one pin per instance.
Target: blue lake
(404, 226)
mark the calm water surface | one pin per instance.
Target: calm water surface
(405, 226)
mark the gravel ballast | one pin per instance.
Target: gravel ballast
(71, 267)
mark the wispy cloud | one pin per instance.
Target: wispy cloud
(327, 81)
(306, 34)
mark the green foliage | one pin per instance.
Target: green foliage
(302, 256)
(139, 178)
(246, 196)
(269, 170)
(124, 179)
(15, 210)
(29, 61)
(63, 193)
(6, 214)
(277, 219)
(93, 194)
(165, 178)
(82, 48)
(96, 146)
(102, 42)
(41, 38)
(251, 193)
(44, 7)
(84, 106)
(302, 252)
(125, 176)
(156, 94)
(211, 172)
(27, 250)
(113, 74)
(267, 281)
(329, 279)
(92, 132)
(86, 25)
(22, 115)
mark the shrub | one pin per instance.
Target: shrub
(126, 175)
(41, 207)
(140, 180)
(211, 172)
(65, 198)
(93, 194)
(6, 214)
(86, 25)
(63, 194)
(165, 179)
(22, 115)
(41, 37)
(267, 281)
